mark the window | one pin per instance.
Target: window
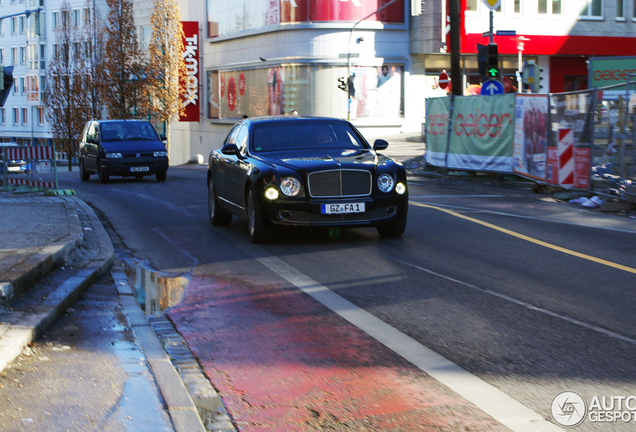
(14, 55)
(56, 19)
(14, 25)
(22, 25)
(86, 16)
(146, 34)
(1, 24)
(1, 56)
(25, 119)
(42, 56)
(16, 115)
(40, 115)
(3, 116)
(23, 85)
(550, 7)
(22, 55)
(592, 9)
(620, 10)
(76, 17)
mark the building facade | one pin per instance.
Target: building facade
(262, 57)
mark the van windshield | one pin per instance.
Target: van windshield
(128, 131)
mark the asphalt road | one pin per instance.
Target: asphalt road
(533, 298)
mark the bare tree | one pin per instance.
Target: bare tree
(93, 35)
(166, 68)
(124, 86)
(67, 108)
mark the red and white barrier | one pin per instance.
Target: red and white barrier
(565, 154)
(31, 183)
(30, 153)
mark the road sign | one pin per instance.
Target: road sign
(443, 80)
(492, 4)
(492, 87)
(506, 32)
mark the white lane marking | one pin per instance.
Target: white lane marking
(494, 402)
(522, 303)
(540, 219)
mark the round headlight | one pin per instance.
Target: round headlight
(290, 186)
(400, 188)
(271, 193)
(385, 182)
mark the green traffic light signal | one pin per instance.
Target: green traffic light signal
(493, 72)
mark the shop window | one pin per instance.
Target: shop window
(592, 9)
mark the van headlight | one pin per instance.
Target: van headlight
(385, 182)
(160, 154)
(290, 186)
(113, 156)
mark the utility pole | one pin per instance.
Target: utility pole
(456, 75)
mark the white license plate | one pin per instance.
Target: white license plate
(342, 208)
(139, 169)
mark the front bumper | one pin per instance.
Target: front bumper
(387, 210)
(128, 167)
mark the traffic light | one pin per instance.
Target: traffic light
(531, 76)
(342, 86)
(492, 61)
(6, 83)
(350, 87)
(482, 61)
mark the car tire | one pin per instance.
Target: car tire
(255, 227)
(84, 176)
(161, 176)
(103, 177)
(392, 230)
(218, 216)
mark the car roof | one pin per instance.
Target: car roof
(275, 118)
(121, 120)
(8, 144)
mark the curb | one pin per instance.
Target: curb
(22, 328)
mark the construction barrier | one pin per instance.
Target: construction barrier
(39, 160)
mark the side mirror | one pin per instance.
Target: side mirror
(380, 144)
(163, 137)
(91, 140)
(230, 149)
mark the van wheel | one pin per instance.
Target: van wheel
(84, 176)
(103, 177)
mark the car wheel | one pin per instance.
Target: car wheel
(255, 227)
(161, 176)
(84, 176)
(218, 216)
(392, 230)
(103, 177)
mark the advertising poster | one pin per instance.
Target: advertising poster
(530, 147)
(482, 133)
(242, 15)
(437, 110)
(571, 122)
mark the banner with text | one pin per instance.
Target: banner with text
(437, 110)
(482, 133)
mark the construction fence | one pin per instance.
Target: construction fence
(28, 166)
(573, 140)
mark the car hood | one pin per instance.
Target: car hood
(327, 159)
(132, 146)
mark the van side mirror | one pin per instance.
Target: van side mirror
(163, 137)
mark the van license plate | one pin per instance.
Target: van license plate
(139, 169)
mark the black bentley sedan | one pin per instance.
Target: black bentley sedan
(305, 171)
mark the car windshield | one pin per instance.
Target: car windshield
(128, 131)
(298, 134)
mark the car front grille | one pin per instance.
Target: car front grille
(339, 183)
(301, 217)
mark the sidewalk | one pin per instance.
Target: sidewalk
(52, 249)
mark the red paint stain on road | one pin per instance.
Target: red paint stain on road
(283, 362)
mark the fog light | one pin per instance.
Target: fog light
(271, 194)
(400, 188)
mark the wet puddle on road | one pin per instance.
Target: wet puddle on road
(153, 291)
(156, 292)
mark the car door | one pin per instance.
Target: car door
(89, 146)
(221, 162)
(236, 168)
